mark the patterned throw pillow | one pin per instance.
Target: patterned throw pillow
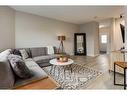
(24, 54)
(16, 52)
(19, 67)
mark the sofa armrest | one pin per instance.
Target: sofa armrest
(6, 74)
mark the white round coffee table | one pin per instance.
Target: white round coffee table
(67, 64)
(55, 62)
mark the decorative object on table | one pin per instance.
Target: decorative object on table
(63, 58)
(61, 46)
(77, 78)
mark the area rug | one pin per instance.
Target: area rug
(73, 76)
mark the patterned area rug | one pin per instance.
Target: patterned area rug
(72, 76)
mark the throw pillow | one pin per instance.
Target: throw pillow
(50, 49)
(14, 56)
(19, 67)
(24, 54)
(16, 52)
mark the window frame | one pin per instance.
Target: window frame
(104, 38)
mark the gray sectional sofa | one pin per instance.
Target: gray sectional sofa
(38, 58)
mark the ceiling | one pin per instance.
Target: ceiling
(74, 14)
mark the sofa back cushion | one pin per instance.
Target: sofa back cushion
(6, 74)
(39, 51)
(18, 50)
(55, 50)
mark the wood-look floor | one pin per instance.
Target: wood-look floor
(101, 63)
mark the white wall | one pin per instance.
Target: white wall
(27, 30)
(7, 30)
(118, 42)
(35, 31)
(96, 38)
(92, 37)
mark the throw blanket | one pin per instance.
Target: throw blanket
(50, 50)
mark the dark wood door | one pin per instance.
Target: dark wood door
(80, 44)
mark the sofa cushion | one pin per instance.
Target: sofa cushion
(38, 73)
(41, 59)
(38, 51)
(44, 60)
(10, 56)
(19, 67)
(6, 74)
(30, 63)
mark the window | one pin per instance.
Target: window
(103, 39)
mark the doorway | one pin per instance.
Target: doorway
(103, 40)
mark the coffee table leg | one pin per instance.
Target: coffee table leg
(71, 67)
(68, 67)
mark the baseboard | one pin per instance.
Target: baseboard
(93, 55)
